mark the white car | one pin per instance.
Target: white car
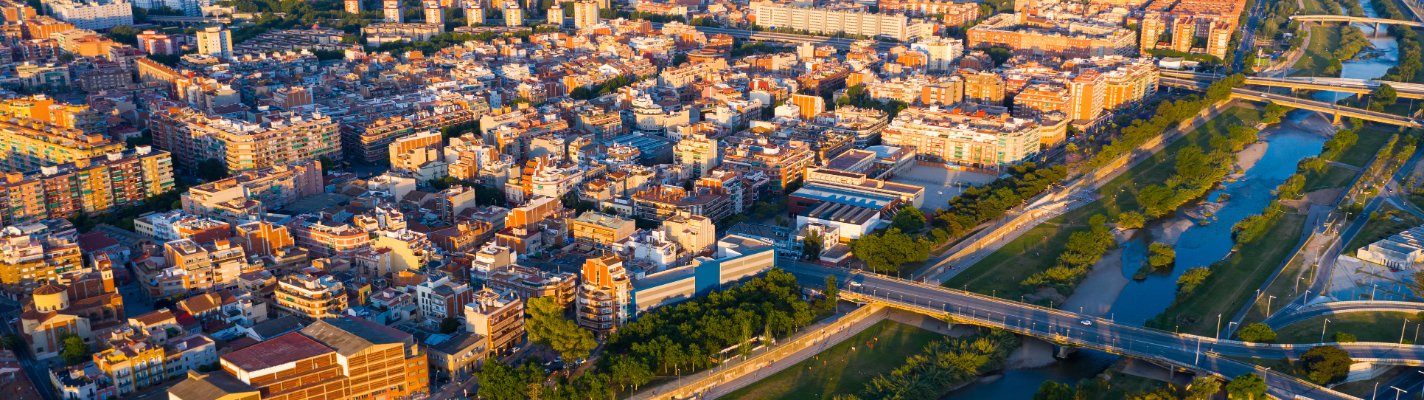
(1086, 322)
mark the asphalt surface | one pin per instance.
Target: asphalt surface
(1080, 330)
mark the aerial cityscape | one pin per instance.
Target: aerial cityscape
(707, 199)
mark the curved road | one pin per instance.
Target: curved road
(1342, 307)
(1186, 351)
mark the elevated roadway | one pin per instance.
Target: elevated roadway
(1336, 110)
(1192, 352)
(1360, 20)
(1358, 86)
(1342, 307)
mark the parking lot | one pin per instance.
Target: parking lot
(941, 183)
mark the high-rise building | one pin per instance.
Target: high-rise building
(92, 186)
(1089, 91)
(215, 41)
(513, 15)
(474, 13)
(434, 15)
(277, 139)
(555, 14)
(352, 6)
(92, 14)
(698, 153)
(392, 11)
(604, 299)
(585, 14)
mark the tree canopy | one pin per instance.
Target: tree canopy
(1324, 365)
(547, 326)
(1257, 332)
(1246, 387)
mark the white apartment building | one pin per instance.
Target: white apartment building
(947, 136)
(215, 41)
(92, 14)
(816, 20)
(191, 8)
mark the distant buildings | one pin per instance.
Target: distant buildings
(86, 185)
(1032, 35)
(820, 21)
(947, 136)
(277, 139)
(92, 14)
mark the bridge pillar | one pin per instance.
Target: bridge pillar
(1337, 119)
(1061, 351)
(1365, 371)
(1377, 27)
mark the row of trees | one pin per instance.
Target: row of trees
(689, 336)
(1201, 388)
(499, 381)
(1254, 227)
(1084, 248)
(942, 366)
(1168, 115)
(907, 242)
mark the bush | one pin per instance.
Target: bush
(1190, 280)
(1342, 337)
(1131, 220)
(1324, 365)
(1257, 332)
(1161, 255)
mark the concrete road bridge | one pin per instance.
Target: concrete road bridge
(1190, 352)
(1352, 20)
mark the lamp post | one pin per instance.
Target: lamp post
(1268, 305)
(1218, 326)
(1322, 329)
(1398, 391)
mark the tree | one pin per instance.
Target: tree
(1203, 388)
(1161, 255)
(1385, 95)
(74, 350)
(1274, 112)
(833, 293)
(11, 342)
(211, 169)
(887, 251)
(1193, 278)
(629, 373)
(502, 382)
(449, 325)
(909, 219)
(1257, 332)
(1131, 220)
(547, 326)
(1246, 387)
(1324, 364)
(1051, 390)
(812, 245)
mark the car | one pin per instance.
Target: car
(1086, 322)
(854, 284)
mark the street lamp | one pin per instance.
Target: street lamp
(1322, 329)
(1218, 326)
(1398, 391)
(1268, 305)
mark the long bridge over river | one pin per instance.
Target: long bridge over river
(1206, 355)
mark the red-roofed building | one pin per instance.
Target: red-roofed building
(288, 367)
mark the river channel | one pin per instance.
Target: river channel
(1296, 138)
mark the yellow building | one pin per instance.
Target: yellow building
(27, 260)
(27, 144)
(311, 297)
(600, 228)
(132, 365)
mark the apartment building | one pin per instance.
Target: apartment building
(698, 153)
(248, 193)
(32, 143)
(1031, 35)
(207, 265)
(388, 32)
(960, 138)
(277, 139)
(215, 41)
(585, 14)
(442, 298)
(92, 14)
(311, 296)
(821, 20)
(92, 186)
(31, 256)
(783, 163)
(498, 316)
(371, 141)
(662, 202)
(604, 296)
(529, 282)
(599, 229)
(418, 155)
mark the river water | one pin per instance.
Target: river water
(1200, 245)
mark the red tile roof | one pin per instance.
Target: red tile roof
(291, 347)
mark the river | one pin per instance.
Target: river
(1200, 245)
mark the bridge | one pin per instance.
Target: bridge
(1191, 352)
(1406, 90)
(1363, 20)
(1329, 108)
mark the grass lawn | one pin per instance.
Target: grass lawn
(1366, 326)
(1317, 56)
(1372, 137)
(1122, 386)
(1038, 249)
(1333, 176)
(1386, 221)
(839, 370)
(1233, 282)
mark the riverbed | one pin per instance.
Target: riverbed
(1267, 164)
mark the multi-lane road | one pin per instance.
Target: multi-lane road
(1080, 330)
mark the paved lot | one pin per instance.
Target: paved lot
(940, 183)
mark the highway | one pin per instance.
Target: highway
(1299, 314)
(1183, 350)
